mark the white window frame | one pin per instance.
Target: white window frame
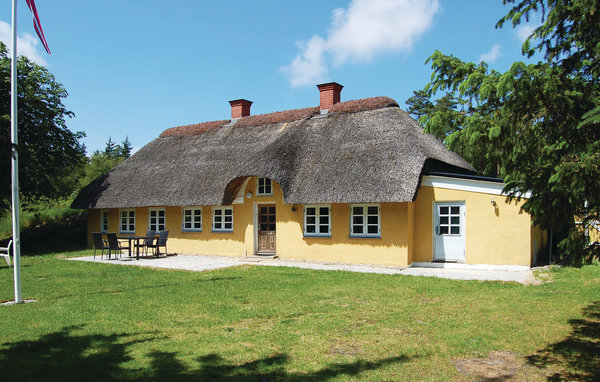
(317, 223)
(267, 182)
(192, 221)
(158, 217)
(104, 220)
(130, 220)
(365, 223)
(222, 222)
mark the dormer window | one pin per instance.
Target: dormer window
(264, 186)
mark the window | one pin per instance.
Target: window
(364, 220)
(317, 221)
(192, 219)
(104, 221)
(156, 220)
(223, 219)
(449, 220)
(264, 186)
(127, 221)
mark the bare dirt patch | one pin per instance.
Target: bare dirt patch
(498, 366)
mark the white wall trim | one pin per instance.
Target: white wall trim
(483, 267)
(472, 185)
(239, 199)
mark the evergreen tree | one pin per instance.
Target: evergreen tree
(536, 125)
(126, 148)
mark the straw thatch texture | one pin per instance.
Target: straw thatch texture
(365, 151)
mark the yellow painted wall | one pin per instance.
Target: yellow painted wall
(498, 235)
(495, 235)
(390, 249)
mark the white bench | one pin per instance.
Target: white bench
(5, 252)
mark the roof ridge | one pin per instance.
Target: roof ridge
(351, 106)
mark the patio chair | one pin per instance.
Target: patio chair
(148, 241)
(5, 252)
(99, 244)
(114, 245)
(161, 242)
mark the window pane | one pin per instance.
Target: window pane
(271, 227)
(357, 210)
(310, 228)
(228, 225)
(187, 212)
(357, 220)
(372, 220)
(197, 212)
(324, 210)
(443, 210)
(310, 211)
(218, 212)
(271, 210)
(263, 218)
(310, 220)
(455, 220)
(323, 229)
(161, 213)
(443, 219)
(455, 230)
(444, 230)
(228, 218)
(373, 210)
(263, 227)
(455, 210)
(228, 211)
(357, 229)
(324, 220)
(372, 229)
(263, 210)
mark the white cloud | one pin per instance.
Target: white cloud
(308, 68)
(359, 33)
(26, 43)
(524, 31)
(492, 55)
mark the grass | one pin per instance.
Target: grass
(99, 322)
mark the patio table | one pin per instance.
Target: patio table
(135, 239)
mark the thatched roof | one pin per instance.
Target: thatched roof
(360, 151)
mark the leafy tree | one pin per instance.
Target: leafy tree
(48, 150)
(536, 125)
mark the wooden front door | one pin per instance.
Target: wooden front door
(266, 229)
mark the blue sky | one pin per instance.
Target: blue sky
(137, 67)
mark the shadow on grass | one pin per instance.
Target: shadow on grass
(98, 357)
(578, 355)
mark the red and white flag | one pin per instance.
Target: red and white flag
(37, 25)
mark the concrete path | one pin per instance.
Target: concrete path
(203, 263)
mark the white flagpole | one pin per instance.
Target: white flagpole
(15, 160)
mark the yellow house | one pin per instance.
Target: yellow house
(351, 182)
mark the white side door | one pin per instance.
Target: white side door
(449, 232)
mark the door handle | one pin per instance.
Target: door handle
(437, 229)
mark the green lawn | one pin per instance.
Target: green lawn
(94, 322)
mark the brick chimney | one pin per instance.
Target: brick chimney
(240, 108)
(329, 94)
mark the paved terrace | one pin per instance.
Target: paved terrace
(201, 263)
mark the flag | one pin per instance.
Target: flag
(37, 25)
